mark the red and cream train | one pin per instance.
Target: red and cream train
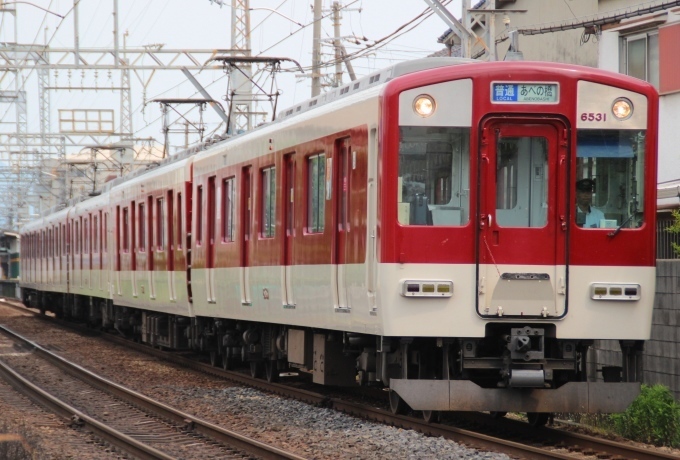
(415, 229)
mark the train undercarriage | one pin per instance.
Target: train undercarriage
(518, 367)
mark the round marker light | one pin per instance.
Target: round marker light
(622, 108)
(424, 105)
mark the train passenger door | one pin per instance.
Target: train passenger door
(521, 219)
(246, 223)
(341, 223)
(289, 226)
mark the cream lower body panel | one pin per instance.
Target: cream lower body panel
(457, 315)
(137, 294)
(309, 298)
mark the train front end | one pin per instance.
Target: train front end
(517, 226)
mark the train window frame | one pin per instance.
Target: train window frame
(126, 229)
(180, 220)
(160, 224)
(79, 240)
(316, 193)
(105, 236)
(95, 234)
(86, 235)
(227, 210)
(617, 179)
(446, 178)
(199, 215)
(141, 229)
(268, 202)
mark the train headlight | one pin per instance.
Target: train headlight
(615, 291)
(424, 105)
(622, 108)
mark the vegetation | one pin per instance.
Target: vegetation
(675, 229)
(653, 418)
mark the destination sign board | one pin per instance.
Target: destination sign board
(525, 93)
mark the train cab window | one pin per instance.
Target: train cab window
(268, 217)
(141, 218)
(521, 181)
(316, 193)
(434, 176)
(228, 210)
(609, 185)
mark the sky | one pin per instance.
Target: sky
(202, 24)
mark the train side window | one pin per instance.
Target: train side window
(316, 193)
(78, 237)
(228, 210)
(199, 215)
(434, 176)
(95, 235)
(180, 229)
(141, 218)
(160, 224)
(613, 162)
(268, 217)
(105, 237)
(126, 230)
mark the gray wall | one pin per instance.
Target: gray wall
(661, 359)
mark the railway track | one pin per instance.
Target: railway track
(130, 421)
(512, 437)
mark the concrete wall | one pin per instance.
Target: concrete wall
(661, 359)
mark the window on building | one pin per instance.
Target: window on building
(228, 210)
(316, 193)
(639, 56)
(268, 220)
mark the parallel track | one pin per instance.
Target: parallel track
(554, 443)
(187, 429)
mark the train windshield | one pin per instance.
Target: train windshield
(610, 178)
(434, 176)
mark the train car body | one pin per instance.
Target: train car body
(459, 232)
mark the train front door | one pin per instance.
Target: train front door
(522, 219)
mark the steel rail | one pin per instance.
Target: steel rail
(157, 408)
(67, 412)
(478, 440)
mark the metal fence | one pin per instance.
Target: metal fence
(664, 238)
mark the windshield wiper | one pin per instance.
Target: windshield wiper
(615, 232)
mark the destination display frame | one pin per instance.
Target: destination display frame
(510, 92)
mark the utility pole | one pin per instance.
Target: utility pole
(240, 77)
(337, 43)
(316, 50)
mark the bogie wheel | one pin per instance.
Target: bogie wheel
(431, 416)
(214, 358)
(397, 405)
(271, 370)
(256, 369)
(538, 419)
